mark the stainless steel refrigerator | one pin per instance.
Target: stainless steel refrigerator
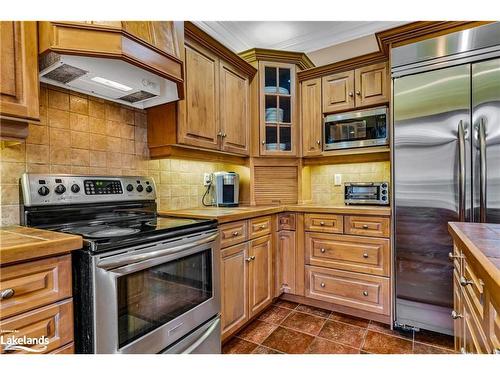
(445, 162)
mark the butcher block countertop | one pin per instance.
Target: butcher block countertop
(20, 244)
(481, 244)
(228, 214)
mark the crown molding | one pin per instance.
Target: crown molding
(194, 33)
(262, 54)
(397, 36)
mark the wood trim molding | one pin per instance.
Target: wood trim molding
(397, 36)
(191, 31)
(192, 153)
(298, 58)
(361, 155)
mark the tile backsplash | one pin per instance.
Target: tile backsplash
(80, 134)
(323, 189)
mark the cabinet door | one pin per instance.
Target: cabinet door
(234, 114)
(260, 275)
(19, 71)
(286, 261)
(372, 85)
(164, 38)
(139, 29)
(201, 125)
(234, 288)
(338, 92)
(311, 116)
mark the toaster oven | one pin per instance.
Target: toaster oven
(366, 193)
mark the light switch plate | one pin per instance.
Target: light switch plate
(337, 179)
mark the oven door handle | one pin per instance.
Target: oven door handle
(202, 339)
(129, 259)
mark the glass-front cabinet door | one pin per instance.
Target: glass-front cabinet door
(277, 91)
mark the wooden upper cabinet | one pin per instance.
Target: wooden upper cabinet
(19, 89)
(201, 125)
(338, 92)
(260, 274)
(160, 34)
(372, 85)
(234, 110)
(311, 117)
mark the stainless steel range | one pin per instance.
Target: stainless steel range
(141, 283)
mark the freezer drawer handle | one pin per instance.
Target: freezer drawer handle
(465, 282)
(461, 167)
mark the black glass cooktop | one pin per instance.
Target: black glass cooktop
(106, 235)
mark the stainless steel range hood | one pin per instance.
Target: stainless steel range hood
(112, 79)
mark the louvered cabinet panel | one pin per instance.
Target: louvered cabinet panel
(275, 185)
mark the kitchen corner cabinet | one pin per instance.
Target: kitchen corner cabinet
(286, 262)
(19, 86)
(278, 123)
(311, 117)
(361, 87)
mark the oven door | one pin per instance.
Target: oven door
(356, 129)
(148, 297)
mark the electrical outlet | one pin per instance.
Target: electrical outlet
(207, 179)
(337, 179)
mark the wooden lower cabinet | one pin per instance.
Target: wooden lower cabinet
(260, 274)
(234, 287)
(247, 278)
(286, 263)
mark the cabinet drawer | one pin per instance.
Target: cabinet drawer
(233, 233)
(367, 226)
(55, 322)
(260, 226)
(323, 223)
(364, 292)
(34, 284)
(350, 253)
(286, 221)
(474, 290)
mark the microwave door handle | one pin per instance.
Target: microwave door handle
(129, 259)
(482, 171)
(461, 171)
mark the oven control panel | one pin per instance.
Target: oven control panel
(67, 189)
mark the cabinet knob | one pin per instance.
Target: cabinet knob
(451, 256)
(263, 142)
(365, 255)
(235, 233)
(365, 226)
(318, 142)
(465, 282)
(6, 294)
(219, 134)
(250, 258)
(321, 223)
(224, 135)
(351, 94)
(365, 293)
(455, 315)
(322, 250)
(322, 285)
(358, 92)
(263, 226)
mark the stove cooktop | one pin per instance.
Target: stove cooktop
(100, 236)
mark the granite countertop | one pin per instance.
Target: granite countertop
(228, 214)
(19, 244)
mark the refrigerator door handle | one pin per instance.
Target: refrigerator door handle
(461, 171)
(482, 170)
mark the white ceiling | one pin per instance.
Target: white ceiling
(299, 36)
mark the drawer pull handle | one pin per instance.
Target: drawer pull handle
(365, 293)
(365, 226)
(322, 285)
(455, 315)
(6, 294)
(250, 258)
(235, 233)
(451, 256)
(321, 223)
(465, 282)
(365, 255)
(322, 250)
(263, 226)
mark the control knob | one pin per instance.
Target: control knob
(75, 188)
(44, 190)
(60, 189)
(149, 189)
(130, 187)
(140, 188)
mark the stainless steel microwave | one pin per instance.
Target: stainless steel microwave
(356, 129)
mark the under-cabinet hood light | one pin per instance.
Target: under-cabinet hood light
(111, 83)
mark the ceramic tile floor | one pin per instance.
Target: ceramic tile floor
(287, 327)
